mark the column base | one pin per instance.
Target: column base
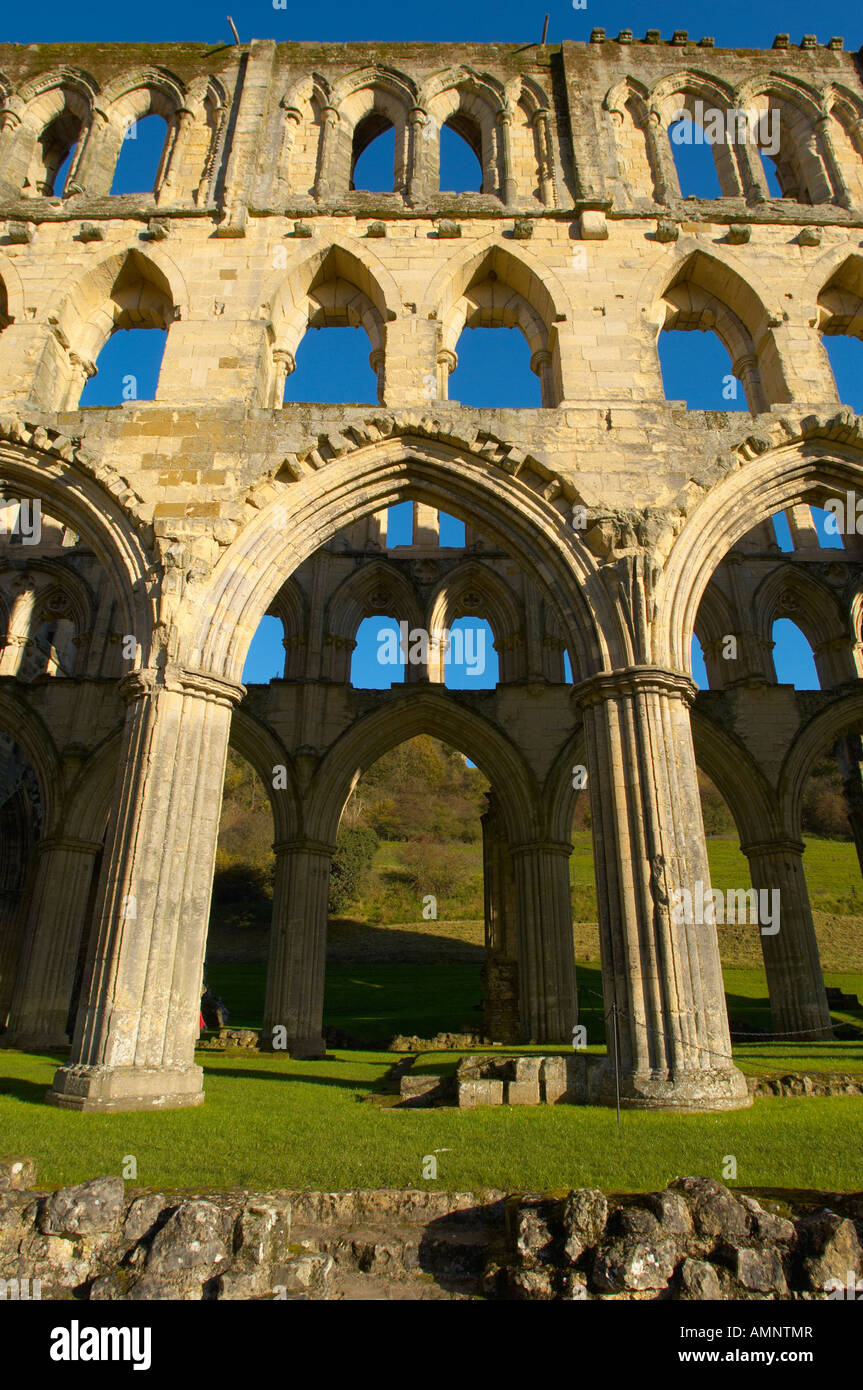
(126, 1088)
(36, 1042)
(302, 1049)
(689, 1091)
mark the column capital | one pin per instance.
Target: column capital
(635, 680)
(200, 684)
(68, 842)
(563, 847)
(317, 847)
(782, 846)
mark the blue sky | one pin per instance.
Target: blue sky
(734, 24)
(493, 365)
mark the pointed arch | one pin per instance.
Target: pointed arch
(698, 294)
(825, 461)
(474, 586)
(407, 716)
(305, 514)
(843, 715)
(789, 591)
(378, 587)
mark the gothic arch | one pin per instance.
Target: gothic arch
(826, 455)
(96, 504)
(843, 715)
(340, 283)
(376, 587)
(261, 748)
(816, 610)
(744, 788)
(839, 307)
(707, 292)
(128, 289)
(488, 285)
(304, 515)
(497, 604)
(406, 717)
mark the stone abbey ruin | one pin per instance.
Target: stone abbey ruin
(609, 525)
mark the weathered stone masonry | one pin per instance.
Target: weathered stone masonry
(179, 523)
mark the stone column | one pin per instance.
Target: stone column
(546, 956)
(56, 922)
(508, 182)
(541, 364)
(745, 368)
(94, 166)
(795, 984)
(500, 969)
(179, 137)
(285, 366)
(330, 120)
(137, 1025)
(447, 361)
(417, 161)
(755, 186)
(298, 947)
(545, 159)
(840, 190)
(662, 973)
(660, 158)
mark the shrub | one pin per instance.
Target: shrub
(355, 849)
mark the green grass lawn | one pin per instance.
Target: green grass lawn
(271, 1122)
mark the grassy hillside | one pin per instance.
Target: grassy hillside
(423, 803)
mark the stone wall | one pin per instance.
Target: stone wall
(695, 1240)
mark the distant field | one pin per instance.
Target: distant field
(387, 925)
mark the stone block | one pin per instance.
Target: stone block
(471, 1094)
(522, 1093)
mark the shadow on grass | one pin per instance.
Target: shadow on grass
(29, 1092)
(343, 1083)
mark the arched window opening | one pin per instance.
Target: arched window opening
(5, 316)
(694, 159)
(332, 368)
(783, 532)
(470, 660)
(265, 660)
(382, 650)
(494, 370)
(400, 525)
(62, 173)
(829, 535)
(452, 532)
(771, 174)
(846, 361)
(56, 149)
(792, 656)
(697, 368)
(140, 161)
(567, 668)
(374, 154)
(460, 156)
(127, 368)
(699, 668)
